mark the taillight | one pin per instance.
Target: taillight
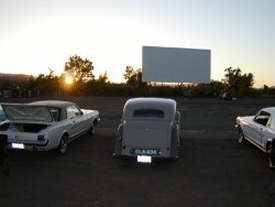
(41, 138)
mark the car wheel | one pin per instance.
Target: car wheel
(6, 165)
(177, 154)
(63, 145)
(92, 129)
(272, 189)
(241, 138)
(270, 163)
(269, 149)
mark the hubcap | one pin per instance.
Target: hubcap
(63, 145)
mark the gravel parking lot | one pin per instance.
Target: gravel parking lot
(214, 170)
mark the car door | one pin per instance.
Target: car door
(74, 116)
(267, 132)
(259, 127)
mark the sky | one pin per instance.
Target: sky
(37, 36)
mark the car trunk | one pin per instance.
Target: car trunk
(146, 135)
(27, 118)
(27, 127)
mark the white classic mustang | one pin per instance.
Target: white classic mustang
(46, 125)
(259, 130)
(150, 128)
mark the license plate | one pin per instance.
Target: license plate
(144, 159)
(17, 145)
(145, 152)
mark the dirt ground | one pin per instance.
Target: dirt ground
(213, 170)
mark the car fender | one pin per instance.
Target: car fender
(55, 136)
(118, 141)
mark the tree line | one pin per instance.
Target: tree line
(78, 80)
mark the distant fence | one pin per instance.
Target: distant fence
(5, 93)
(18, 93)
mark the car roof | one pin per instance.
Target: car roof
(53, 103)
(149, 102)
(271, 110)
(165, 104)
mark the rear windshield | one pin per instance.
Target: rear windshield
(148, 113)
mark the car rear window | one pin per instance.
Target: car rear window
(148, 113)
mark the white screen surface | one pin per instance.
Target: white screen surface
(163, 64)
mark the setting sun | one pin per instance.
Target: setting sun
(69, 80)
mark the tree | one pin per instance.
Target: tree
(31, 84)
(80, 70)
(235, 82)
(133, 77)
(232, 77)
(46, 84)
(247, 80)
(103, 78)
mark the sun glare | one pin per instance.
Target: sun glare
(69, 80)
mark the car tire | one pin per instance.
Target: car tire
(5, 165)
(269, 149)
(63, 145)
(177, 154)
(92, 130)
(241, 138)
(272, 189)
(270, 164)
